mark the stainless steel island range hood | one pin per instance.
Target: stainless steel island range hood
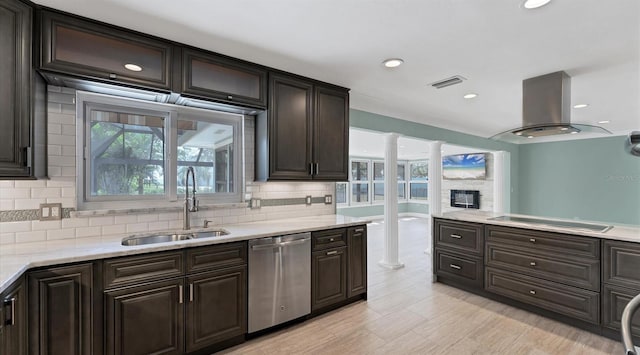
(546, 110)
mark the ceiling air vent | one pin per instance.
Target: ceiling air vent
(456, 79)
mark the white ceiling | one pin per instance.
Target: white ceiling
(369, 144)
(494, 44)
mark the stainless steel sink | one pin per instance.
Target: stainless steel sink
(174, 237)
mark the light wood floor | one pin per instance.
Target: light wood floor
(408, 314)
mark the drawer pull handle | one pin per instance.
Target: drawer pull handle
(331, 239)
(454, 266)
(333, 252)
(359, 230)
(455, 236)
(181, 294)
(12, 302)
(533, 292)
(532, 240)
(533, 263)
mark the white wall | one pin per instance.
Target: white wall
(61, 188)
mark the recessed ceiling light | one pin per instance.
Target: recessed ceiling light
(574, 132)
(564, 128)
(534, 4)
(529, 137)
(393, 62)
(133, 67)
(518, 133)
(580, 105)
(470, 96)
(603, 122)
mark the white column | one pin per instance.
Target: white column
(498, 181)
(434, 186)
(435, 178)
(390, 253)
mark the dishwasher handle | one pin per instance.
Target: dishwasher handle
(265, 246)
(278, 245)
(294, 242)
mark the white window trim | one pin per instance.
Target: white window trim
(171, 113)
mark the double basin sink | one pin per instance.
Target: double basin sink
(171, 237)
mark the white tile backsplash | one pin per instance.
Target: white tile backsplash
(61, 187)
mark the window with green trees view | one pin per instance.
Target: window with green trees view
(137, 151)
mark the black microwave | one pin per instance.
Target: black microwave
(465, 198)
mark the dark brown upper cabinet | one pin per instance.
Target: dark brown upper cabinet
(305, 133)
(210, 76)
(331, 134)
(22, 97)
(93, 50)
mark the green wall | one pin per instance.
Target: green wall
(375, 122)
(378, 210)
(588, 179)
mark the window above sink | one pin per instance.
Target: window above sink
(131, 153)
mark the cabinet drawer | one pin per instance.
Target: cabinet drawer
(579, 272)
(95, 50)
(614, 299)
(570, 301)
(327, 239)
(621, 263)
(132, 269)
(460, 268)
(459, 236)
(216, 256)
(545, 241)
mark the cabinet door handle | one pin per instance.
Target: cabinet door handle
(532, 240)
(317, 168)
(533, 292)
(454, 266)
(181, 294)
(310, 168)
(191, 292)
(113, 76)
(12, 303)
(456, 236)
(533, 263)
(359, 230)
(333, 252)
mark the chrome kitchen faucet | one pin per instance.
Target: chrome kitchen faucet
(190, 203)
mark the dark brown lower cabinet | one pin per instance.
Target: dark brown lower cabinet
(146, 319)
(357, 244)
(13, 319)
(62, 320)
(216, 308)
(328, 277)
(614, 299)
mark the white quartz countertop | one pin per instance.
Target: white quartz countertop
(628, 233)
(15, 259)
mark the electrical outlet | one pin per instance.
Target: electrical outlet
(307, 200)
(255, 203)
(50, 211)
(328, 199)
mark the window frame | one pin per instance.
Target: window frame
(367, 182)
(412, 181)
(86, 101)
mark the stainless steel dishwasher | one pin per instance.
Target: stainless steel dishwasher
(279, 280)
